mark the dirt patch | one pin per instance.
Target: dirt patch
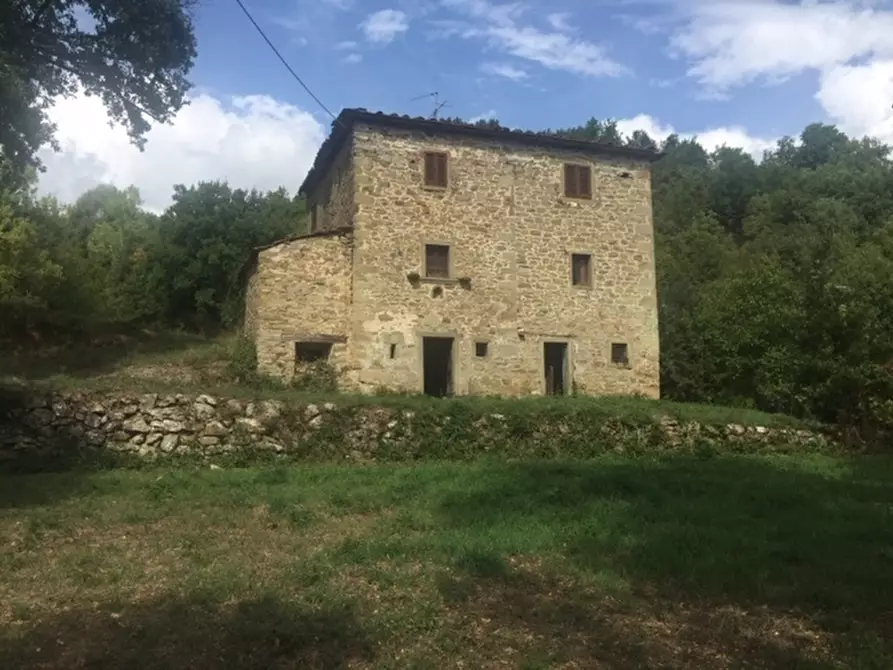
(527, 615)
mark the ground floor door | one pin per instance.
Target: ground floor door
(437, 365)
(555, 367)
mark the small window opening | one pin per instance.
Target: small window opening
(480, 349)
(310, 352)
(619, 353)
(392, 351)
(578, 181)
(436, 169)
(581, 269)
(437, 261)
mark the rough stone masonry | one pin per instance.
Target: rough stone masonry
(45, 424)
(510, 316)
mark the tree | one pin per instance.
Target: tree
(208, 234)
(594, 130)
(134, 55)
(27, 273)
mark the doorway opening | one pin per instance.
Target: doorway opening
(555, 367)
(437, 365)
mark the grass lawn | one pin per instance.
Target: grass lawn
(727, 562)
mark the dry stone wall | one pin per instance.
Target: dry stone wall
(159, 426)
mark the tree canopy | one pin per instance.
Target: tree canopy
(134, 55)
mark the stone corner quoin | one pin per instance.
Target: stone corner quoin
(511, 316)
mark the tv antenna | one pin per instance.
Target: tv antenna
(438, 104)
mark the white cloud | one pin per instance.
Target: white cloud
(346, 45)
(499, 26)
(385, 25)
(858, 98)
(251, 141)
(736, 42)
(849, 43)
(555, 50)
(558, 21)
(501, 15)
(486, 116)
(504, 70)
(710, 139)
(353, 59)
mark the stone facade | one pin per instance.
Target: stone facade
(511, 233)
(300, 291)
(331, 205)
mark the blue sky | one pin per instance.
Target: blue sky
(535, 64)
(736, 72)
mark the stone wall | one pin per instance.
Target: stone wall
(333, 198)
(511, 232)
(34, 423)
(299, 291)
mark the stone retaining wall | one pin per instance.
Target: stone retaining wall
(152, 425)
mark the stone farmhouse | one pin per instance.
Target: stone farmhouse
(454, 259)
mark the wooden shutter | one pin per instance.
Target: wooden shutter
(577, 181)
(437, 261)
(436, 169)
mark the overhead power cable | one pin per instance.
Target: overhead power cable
(281, 58)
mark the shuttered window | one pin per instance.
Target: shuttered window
(436, 169)
(437, 261)
(577, 181)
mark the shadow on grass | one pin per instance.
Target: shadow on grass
(810, 536)
(549, 621)
(173, 634)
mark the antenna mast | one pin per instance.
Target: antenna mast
(438, 104)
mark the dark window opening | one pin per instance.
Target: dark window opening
(577, 181)
(393, 351)
(620, 353)
(437, 261)
(480, 349)
(555, 367)
(436, 169)
(437, 365)
(581, 269)
(310, 352)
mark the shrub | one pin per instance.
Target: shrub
(242, 364)
(318, 376)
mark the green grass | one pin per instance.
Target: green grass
(724, 562)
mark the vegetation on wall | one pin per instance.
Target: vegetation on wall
(773, 275)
